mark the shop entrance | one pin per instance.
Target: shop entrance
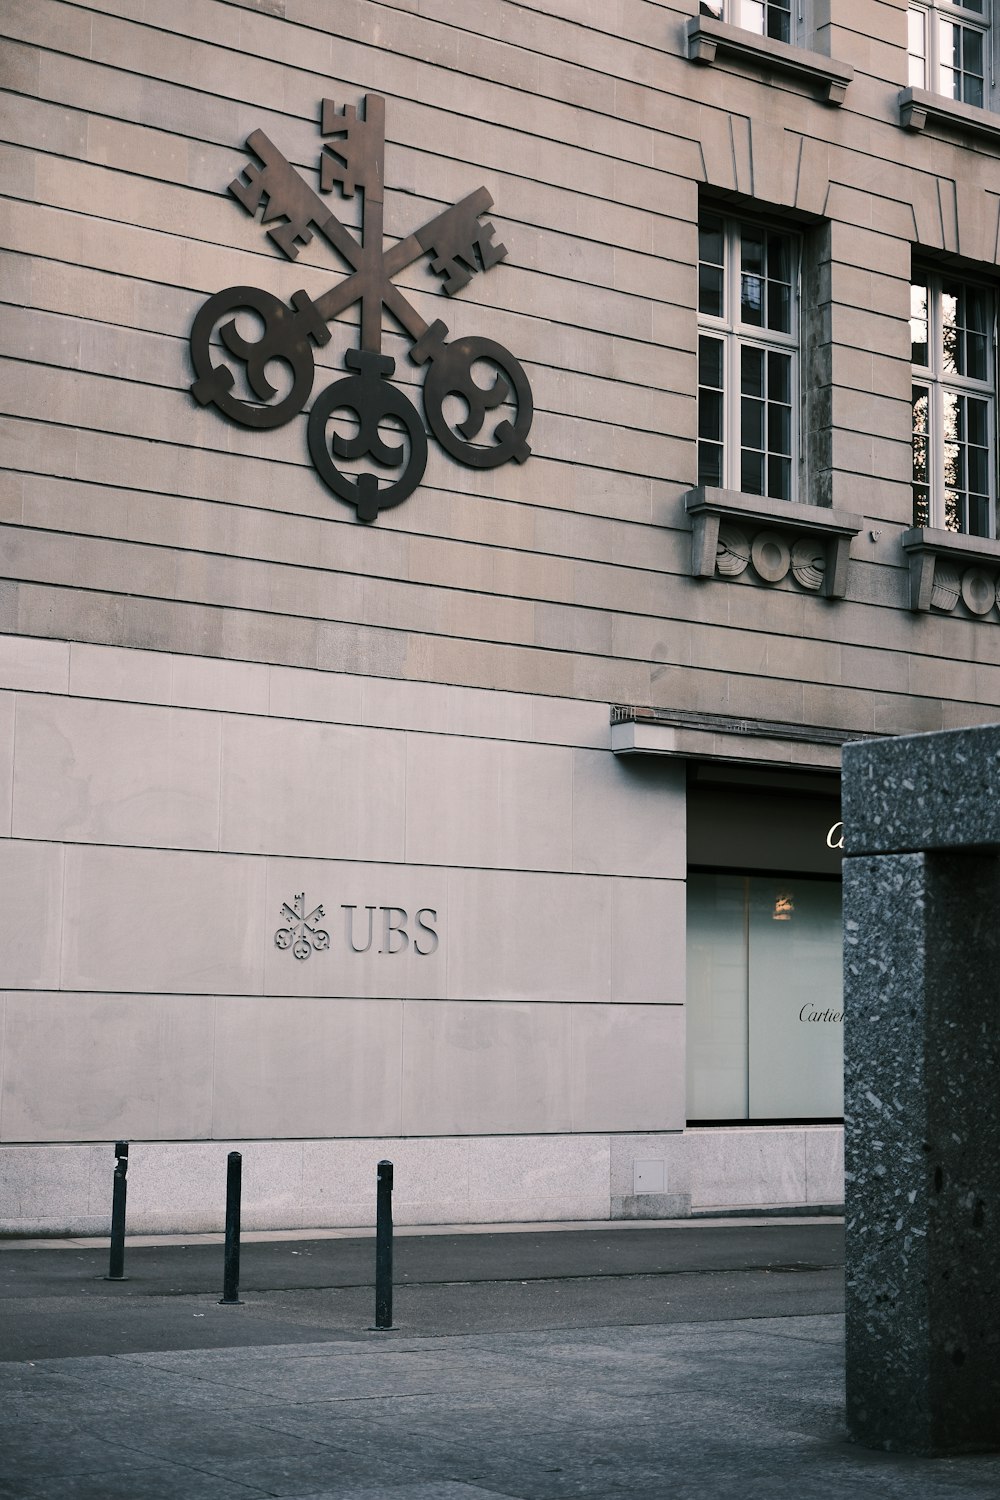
(764, 945)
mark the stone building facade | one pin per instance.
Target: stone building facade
(554, 741)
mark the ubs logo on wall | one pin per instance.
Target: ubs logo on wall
(361, 418)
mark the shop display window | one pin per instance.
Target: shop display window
(764, 1012)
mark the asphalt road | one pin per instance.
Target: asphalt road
(54, 1303)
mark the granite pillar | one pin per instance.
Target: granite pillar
(922, 1090)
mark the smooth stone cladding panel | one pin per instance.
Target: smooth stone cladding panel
(922, 1119)
(152, 841)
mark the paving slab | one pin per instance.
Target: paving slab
(655, 1371)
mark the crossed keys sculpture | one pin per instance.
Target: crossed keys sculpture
(458, 245)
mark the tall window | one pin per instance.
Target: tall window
(747, 356)
(954, 404)
(771, 18)
(949, 48)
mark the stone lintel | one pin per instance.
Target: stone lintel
(923, 792)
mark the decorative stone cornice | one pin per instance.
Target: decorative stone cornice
(946, 566)
(708, 38)
(917, 107)
(731, 531)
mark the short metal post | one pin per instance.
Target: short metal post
(383, 1247)
(231, 1271)
(116, 1264)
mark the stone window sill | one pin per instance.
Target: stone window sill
(946, 566)
(708, 38)
(917, 107)
(731, 532)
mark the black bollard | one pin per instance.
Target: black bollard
(383, 1247)
(116, 1264)
(231, 1271)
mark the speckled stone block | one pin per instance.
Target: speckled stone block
(922, 791)
(922, 1109)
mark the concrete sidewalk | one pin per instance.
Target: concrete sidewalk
(603, 1364)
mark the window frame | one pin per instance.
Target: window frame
(933, 15)
(940, 383)
(735, 13)
(736, 335)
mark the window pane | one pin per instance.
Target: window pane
(951, 352)
(716, 997)
(972, 89)
(918, 322)
(752, 473)
(975, 356)
(710, 292)
(710, 239)
(779, 257)
(752, 300)
(977, 309)
(710, 415)
(779, 377)
(711, 8)
(752, 16)
(978, 467)
(779, 306)
(752, 423)
(915, 30)
(972, 50)
(710, 362)
(751, 260)
(977, 421)
(953, 431)
(979, 515)
(711, 411)
(710, 465)
(779, 478)
(921, 473)
(917, 48)
(779, 22)
(779, 429)
(949, 45)
(751, 371)
(795, 997)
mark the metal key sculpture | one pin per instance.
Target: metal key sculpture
(458, 244)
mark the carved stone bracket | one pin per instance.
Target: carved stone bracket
(918, 106)
(731, 532)
(708, 38)
(946, 566)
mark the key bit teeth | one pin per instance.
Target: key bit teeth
(506, 436)
(210, 386)
(312, 320)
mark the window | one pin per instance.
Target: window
(747, 356)
(949, 49)
(765, 1032)
(771, 18)
(954, 404)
